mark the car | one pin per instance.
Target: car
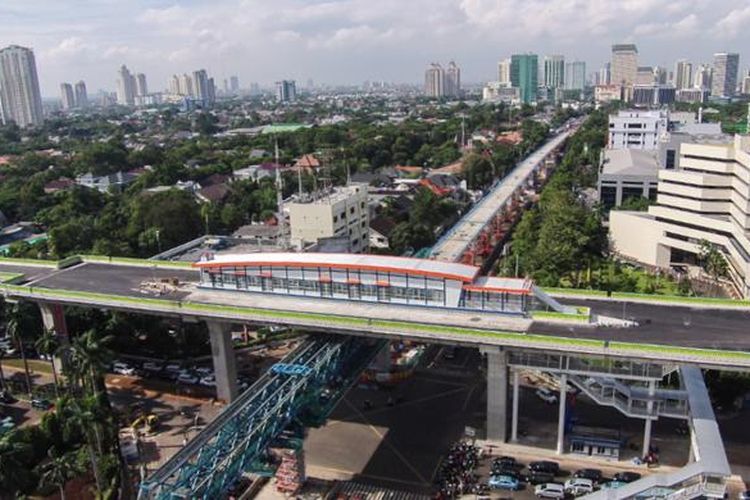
(550, 490)
(626, 477)
(40, 404)
(204, 371)
(9, 350)
(123, 368)
(152, 367)
(173, 368)
(7, 398)
(594, 475)
(613, 485)
(503, 482)
(579, 486)
(187, 378)
(546, 395)
(208, 381)
(744, 495)
(539, 477)
(545, 466)
(505, 460)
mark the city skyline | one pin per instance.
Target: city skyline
(348, 41)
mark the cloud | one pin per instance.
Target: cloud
(734, 23)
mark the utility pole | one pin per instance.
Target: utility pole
(280, 196)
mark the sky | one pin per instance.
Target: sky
(350, 41)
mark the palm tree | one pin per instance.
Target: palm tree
(2, 374)
(14, 323)
(79, 418)
(59, 470)
(89, 357)
(13, 471)
(49, 344)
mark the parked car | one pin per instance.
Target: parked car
(187, 378)
(204, 371)
(539, 477)
(152, 367)
(626, 477)
(208, 381)
(546, 395)
(545, 466)
(503, 483)
(40, 404)
(594, 475)
(579, 486)
(550, 490)
(123, 368)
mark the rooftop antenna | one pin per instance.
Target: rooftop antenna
(280, 196)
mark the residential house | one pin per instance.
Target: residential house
(215, 193)
(381, 229)
(441, 184)
(106, 183)
(308, 163)
(61, 184)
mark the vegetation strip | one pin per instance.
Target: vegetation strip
(650, 297)
(541, 340)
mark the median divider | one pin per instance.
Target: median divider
(10, 278)
(647, 297)
(581, 315)
(425, 331)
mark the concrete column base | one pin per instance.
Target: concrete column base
(497, 394)
(53, 319)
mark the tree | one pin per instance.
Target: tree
(14, 331)
(90, 356)
(48, 344)
(14, 474)
(407, 235)
(712, 261)
(80, 417)
(478, 170)
(59, 470)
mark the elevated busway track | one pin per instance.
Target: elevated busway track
(452, 245)
(721, 340)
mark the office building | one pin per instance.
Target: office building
(67, 96)
(701, 200)
(653, 95)
(82, 97)
(726, 69)
(554, 71)
(683, 75)
(575, 75)
(607, 93)
(141, 89)
(500, 92)
(645, 76)
(286, 91)
(211, 96)
(503, 72)
(524, 73)
(434, 81)
(692, 95)
(452, 84)
(604, 76)
(186, 86)
(624, 64)
(339, 212)
(125, 87)
(636, 129)
(20, 98)
(234, 84)
(200, 85)
(745, 88)
(703, 77)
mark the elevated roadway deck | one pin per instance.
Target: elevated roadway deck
(673, 334)
(452, 245)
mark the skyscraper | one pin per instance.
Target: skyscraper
(624, 64)
(20, 99)
(554, 71)
(683, 75)
(434, 81)
(524, 75)
(141, 88)
(234, 84)
(452, 83)
(575, 75)
(82, 97)
(605, 75)
(286, 91)
(703, 77)
(174, 85)
(726, 67)
(67, 96)
(186, 85)
(200, 85)
(210, 93)
(503, 72)
(125, 87)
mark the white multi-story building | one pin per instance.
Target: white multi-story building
(82, 97)
(707, 198)
(434, 81)
(342, 212)
(683, 75)
(503, 72)
(637, 129)
(20, 99)
(575, 75)
(141, 89)
(554, 71)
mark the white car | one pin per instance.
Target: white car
(173, 368)
(546, 395)
(151, 366)
(549, 490)
(579, 486)
(187, 378)
(123, 368)
(204, 371)
(208, 381)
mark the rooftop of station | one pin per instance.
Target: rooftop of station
(382, 263)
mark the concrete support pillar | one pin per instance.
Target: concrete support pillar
(382, 361)
(222, 353)
(53, 318)
(561, 414)
(514, 416)
(497, 394)
(650, 409)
